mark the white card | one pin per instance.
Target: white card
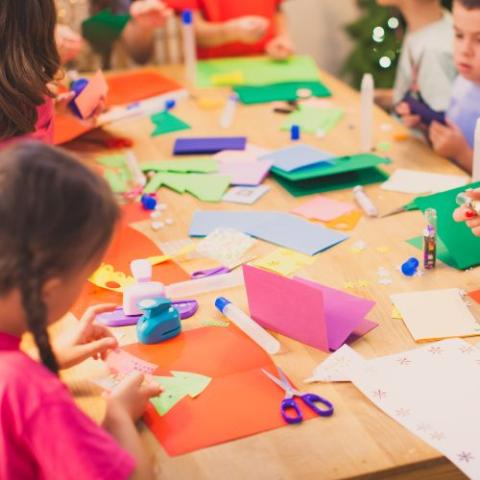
(245, 195)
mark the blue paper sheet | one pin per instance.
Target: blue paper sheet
(208, 145)
(275, 227)
(298, 156)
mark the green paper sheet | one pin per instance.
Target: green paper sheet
(177, 387)
(330, 183)
(208, 188)
(118, 180)
(462, 245)
(313, 119)
(102, 29)
(279, 92)
(117, 160)
(442, 253)
(182, 166)
(259, 70)
(165, 122)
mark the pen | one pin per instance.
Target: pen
(364, 202)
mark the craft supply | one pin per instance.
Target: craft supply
(123, 363)
(165, 123)
(170, 104)
(317, 404)
(245, 173)
(463, 200)
(160, 320)
(294, 133)
(148, 202)
(189, 48)
(313, 119)
(191, 288)
(366, 113)
(91, 96)
(210, 272)
(364, 202)
(298, 157)
(134, 167)
(228, 114)
(283, 261)
(248, 326)
(323, 208)
(208, 145)
(144, 288)
(410, 267)
(245, 195)
(430, 239)
(77, 86)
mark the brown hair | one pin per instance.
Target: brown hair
(56, 215)
(29, 61)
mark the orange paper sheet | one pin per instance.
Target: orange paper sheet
(240, 400)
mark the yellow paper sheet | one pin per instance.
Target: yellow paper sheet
(283, 261)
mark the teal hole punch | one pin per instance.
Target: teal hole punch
(160, 320)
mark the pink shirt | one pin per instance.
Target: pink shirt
(43, 128)
(43, 435)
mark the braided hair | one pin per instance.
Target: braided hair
(56, 215)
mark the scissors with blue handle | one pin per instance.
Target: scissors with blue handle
(311, 400)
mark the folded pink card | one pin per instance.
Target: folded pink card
(92, 95)
(314, 314)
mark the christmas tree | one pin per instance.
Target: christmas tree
(377, 36)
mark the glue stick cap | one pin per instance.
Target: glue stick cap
(221, 303)
(409, 268)
(187, 17)
(295, 132)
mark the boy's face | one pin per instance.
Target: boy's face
(467, 41)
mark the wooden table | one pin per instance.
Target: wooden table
(359, 441)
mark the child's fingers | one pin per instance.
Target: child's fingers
(411, 121)
(473, 194)
(92, 311)
(473, 223)
(462, 214)
(151, 389)
(403, 109)
(95, 348)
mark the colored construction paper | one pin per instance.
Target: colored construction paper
(102, 29)
(436, 314)
(208, 188)
(245, 173)
(227, 79)
(239, 394)
(461, 243)
(118, 180)
(346, 222)
(245, 195)
(208, 145)
(475, 295)
(251, 154)
(323, 208)
(283, 261)
(412, 181)
(123, 363)
(92, 95)
(297, 157)
(442, 252)
(313, 119)
(165, 122)
(259, 70)
(182, 166)
(279, 92)
(314, 314)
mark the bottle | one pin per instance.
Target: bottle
(189, 49)
(430, 239)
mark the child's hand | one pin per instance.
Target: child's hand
(88, 340)
(69, 43)
(408, 119)
(150, 14)
(465, 214)
(279, 48)
(448, 140)
(247, 29)
(131, 396)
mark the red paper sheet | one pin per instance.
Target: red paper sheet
(240, 400)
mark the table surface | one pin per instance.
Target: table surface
(359, 441)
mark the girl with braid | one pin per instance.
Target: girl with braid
(56, 220)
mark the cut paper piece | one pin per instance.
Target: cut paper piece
(442, 253)
(462, 245)
(245, 195)
(227, 79)
(116, 172)
(346, 222)
(102, 29)
(313, 120)
(182, 166)
(297, 157)
(107, 383)
(251, 154)
(324, 209)
(308, 312)
(123, 363)
(285, 92)
(207, 145)
(239, 393)
(337, 367)
(396, 315)
(106, 277)
(165, 122)
(436, 314)
(412, 181)
(258, 70)
(208, 188)
(174, 181)
(176, 388)
(475, 295)
(246, 174)
(112, 161)
(398, 386)
(284, 262)
(92, 95)
(214, 323)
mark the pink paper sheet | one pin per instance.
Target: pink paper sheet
(245, 173)
(323, 208)
(91, 96)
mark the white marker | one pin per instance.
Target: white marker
(228, 114)
(248, 326)
(366, 113)
(476, 154)
(189, 49)
(364, 202)
(135, 169)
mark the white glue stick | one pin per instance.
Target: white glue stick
(364, 202)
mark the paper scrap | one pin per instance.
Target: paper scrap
(245, 195)
(106, 277)
(245, 173)
(346, 222)
(283, 261)
(91, 96)
(122, 363)
(323, 208)
(165, 122)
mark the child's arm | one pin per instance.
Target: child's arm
(280, 47)
(448, 141)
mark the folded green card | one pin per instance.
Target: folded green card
(102, 29)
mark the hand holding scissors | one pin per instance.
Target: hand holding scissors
(311, 400)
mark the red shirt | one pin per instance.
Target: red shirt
(223, 10)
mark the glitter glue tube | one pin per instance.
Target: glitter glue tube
(430, 239)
